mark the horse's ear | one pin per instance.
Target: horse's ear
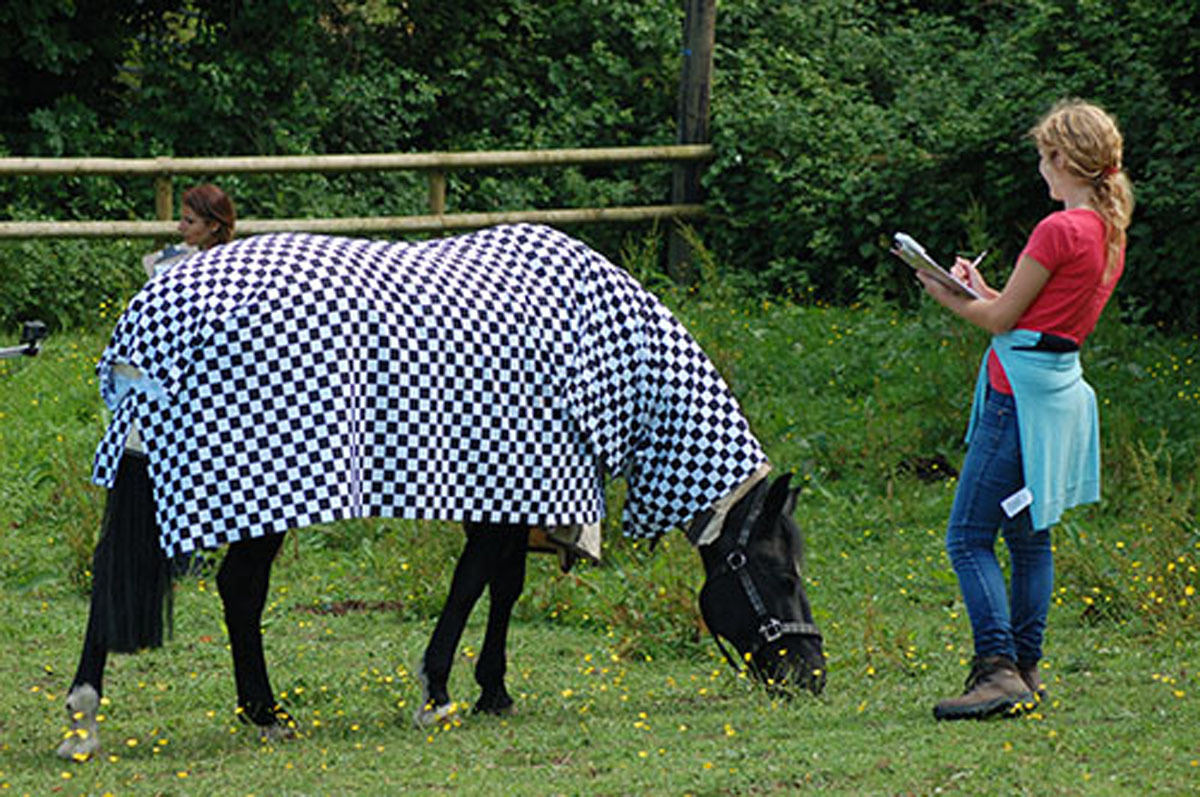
(778, 496)
(793, 496)
(789, 505)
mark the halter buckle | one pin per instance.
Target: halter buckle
(771, 630)
(735, 559)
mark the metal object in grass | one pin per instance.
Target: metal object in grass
(32, 335)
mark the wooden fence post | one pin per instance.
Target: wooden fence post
(164, 198)
(695, 87)
(437, 192)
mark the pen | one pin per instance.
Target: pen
(975, 263)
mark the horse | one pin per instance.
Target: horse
(497, 379)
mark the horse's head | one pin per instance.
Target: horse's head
(754, 595)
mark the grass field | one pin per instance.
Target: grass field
(618, 690)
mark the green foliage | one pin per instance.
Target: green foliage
(838, 122)
(67, 284)
(52, 53)
(281, 77)
(1140, 570)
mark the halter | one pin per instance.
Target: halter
(736, 562)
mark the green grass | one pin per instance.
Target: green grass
(618, 690)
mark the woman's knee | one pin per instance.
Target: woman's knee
(963, 542)
(1025, 543)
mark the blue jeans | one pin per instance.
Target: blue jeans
(1004, 623)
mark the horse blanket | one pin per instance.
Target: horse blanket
(292, 379)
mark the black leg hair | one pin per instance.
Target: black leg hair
(504, 588)
(243, 582)
(94, 656)
(471, 574)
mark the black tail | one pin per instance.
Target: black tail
(131, 577)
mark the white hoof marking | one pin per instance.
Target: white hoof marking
(82, 739)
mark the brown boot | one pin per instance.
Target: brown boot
(1033, 679)
(993, 687)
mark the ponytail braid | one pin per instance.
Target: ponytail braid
(1091, 145)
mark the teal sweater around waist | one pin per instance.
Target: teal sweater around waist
(1058, 420)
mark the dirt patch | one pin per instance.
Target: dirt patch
(339, 608)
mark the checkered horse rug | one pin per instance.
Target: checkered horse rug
(285, 380)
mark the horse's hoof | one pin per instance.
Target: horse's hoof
(278, 732)
(429, 715)
(273, 724)
(497, 707)
(82, 739)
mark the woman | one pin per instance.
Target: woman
(1034, 433)
(131, 579)
(206, 219)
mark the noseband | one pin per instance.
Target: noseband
(734, 561)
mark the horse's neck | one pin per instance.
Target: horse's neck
(706, 527)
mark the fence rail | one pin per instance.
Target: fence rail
(436, 164)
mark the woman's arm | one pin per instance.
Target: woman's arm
(997, 313)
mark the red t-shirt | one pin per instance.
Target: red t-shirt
(1070, 245)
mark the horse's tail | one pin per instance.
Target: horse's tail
(131, 576)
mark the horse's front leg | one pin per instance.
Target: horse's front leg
(504, 588)
(243, 582)
(471, 574)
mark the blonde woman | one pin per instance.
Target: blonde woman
(1033, 438)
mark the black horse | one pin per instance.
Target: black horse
(282, 381)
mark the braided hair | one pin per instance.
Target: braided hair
(1091, 146)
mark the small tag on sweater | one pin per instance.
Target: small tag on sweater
(1017, 501)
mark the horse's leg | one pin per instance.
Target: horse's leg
(243, 582)
(83, 699)
(470, 575)
(504, 587)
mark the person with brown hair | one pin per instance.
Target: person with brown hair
(206, 219)
(1033, 438)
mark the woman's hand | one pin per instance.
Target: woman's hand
(943, 295)
(964, 270)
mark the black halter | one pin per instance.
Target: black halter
(734, 561)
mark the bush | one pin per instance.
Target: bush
(837, 123)
(68, 284)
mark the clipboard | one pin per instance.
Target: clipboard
(906, 248)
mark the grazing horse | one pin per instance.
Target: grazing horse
(494, 379)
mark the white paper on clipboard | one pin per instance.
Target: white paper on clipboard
(905, 247)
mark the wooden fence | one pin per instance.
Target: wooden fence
(437, 165)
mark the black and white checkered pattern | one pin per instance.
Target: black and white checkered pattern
(495, 376)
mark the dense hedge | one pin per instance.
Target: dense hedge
(836, 122)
